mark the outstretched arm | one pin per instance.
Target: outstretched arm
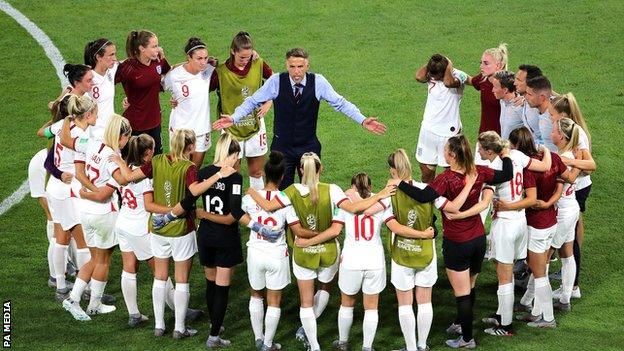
(361, 205)
(479, 207)
(326, 235)
(409, 232)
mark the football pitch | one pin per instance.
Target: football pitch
(369, 51)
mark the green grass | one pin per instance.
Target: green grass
(369, 51)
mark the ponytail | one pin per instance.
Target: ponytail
(275, 167)
(522, 139)
(241, 41)
(568, 105)
(75, 73)
(137, 147)
(311, 166)
(362, 183)
(78, 105)
(499, 54)
(491, 141)
(570, 131)
(93, 49)
(136, 39)
(116, 127)
(225, 147)
(459, 148)
(180, 141)
(400, 161)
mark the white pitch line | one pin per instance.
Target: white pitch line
(58, 62)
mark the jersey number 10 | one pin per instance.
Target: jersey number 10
(364, 227)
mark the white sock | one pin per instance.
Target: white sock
(78, 289)
(321, 298)
(256, 314)
(158, 300)
(97, 290)
(82, 256)
(407, 320)
(256, 183)
(270, 321)
(505, 302)
(345, 320)
(59, 265)
(568, 272)
(181, 300)
(129, 291)
(51, 242)
(170, 290)
(529, 294)
(543, 297)
(308, 321)
(369, 327)
(425, 318)
(71, 252)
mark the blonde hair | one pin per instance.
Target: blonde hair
(566, 104)
(311, 165)
(400, 161)
(79, 105)
(491, 141)
(180, 141)
(226, 146)
(570, 131)
(116, 127)
(499, 54)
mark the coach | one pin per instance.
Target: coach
(296, 97)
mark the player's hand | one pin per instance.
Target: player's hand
(227, 171)
(518, 100)
(262, 111)
(173, 102)
(301, 242)
(254, 55)
(393, 182)
(224, 122)
(161, 53)
(387, 191)
(83, 192)
(540, 205)
(115, 158)
(372, 125)
(161, 220)
(429, 233)
(66, 177)
(125, 104)
(501, 205)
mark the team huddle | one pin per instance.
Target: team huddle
(104, 182)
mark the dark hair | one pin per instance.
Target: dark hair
(137, 146)
(241, 41)
(75, 73)
(540, 83)
(506, 80)
(436, 66)
(460, 147)
(275, 167)
(531, 71)
(193, 44)
(522, 139)
(95, 48)
(59, 109)
(136, 39)
(363, 184)
(297, 52)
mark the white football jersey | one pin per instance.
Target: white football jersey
(363, 247)
(103, 93)
(513, 190)
(191, 91)
(64, 159)
(133, 217)
(511, 117)
(275, 220)
(568, 196)
(441, 115)
(99, 171)
(583, 180)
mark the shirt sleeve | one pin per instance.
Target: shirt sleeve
(528, 179)
(337, 195)
(147, 186)
(283, 199)
(122, 70)
(291, 216)
(267, 92)
(339, 217)
(440, 202)
(166, 67)
(191, 175)
(147, 170)
(235, 197)
(167, 83)
(80, 144)
(267, 72)
(561, 167)
(49, 165)
(476, 81)
(388, 213)
(247, 204)
(460, 75)
(326, 92)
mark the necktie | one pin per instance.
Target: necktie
(298, 91)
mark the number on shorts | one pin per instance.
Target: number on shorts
(516, 186)
(92, 173)
(96, 92)
(214, 204)
(269, 221)
(128, 198)
(361, 227)
(57, 154)
(569, 190)
(263, 139)
(185, 90)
